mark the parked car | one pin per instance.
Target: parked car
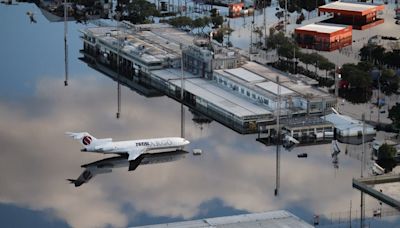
(302, 155)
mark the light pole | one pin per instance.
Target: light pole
(337, 77)
(65, 42)
(285, 22)
(182, 96)
(278, 138)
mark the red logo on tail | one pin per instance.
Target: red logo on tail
(86, 140)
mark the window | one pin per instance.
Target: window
(266, 101)
(248, 93)
(253, 95)
(242, 90)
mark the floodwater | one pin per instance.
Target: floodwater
(235, 174)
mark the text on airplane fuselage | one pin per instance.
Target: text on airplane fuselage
(155, 144)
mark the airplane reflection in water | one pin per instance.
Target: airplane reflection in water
(107, 165)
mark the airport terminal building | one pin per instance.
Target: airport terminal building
(217, 81)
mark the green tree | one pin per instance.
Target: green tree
(365, 66)
(389, 82)
(181, 22)
(306, 58)
(198, 23)
(391, 58)
(140, 10)
(217, 21)
(275, 39)
(327, 66)
(373, 53)
(287, 48)
(386, 152)
(394, 115)
(355, 76)
(316, 59)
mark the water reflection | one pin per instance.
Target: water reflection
(36, 109)
(107, 165)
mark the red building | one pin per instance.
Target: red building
(323, 36)
(360, 15)
(235, 9)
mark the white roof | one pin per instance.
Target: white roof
(210, 92)
(276, 219)
(272, 87)
(245, 75)
(349, 6)
(221, 98)
(323, 27)
(348, 123)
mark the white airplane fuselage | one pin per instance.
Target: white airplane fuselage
(149, 145)
(134, 148)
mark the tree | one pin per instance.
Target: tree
(373, 53)
(217, 21)
(181, 22)
(359, 90)
(365, 66)
(200, 22)
(386, 152)
(140, 10)
(355, 76)
(391, 58)
(394, 115)
(389, 82)
(306, 59)
(327, 66)
(316, 59)
(287, 48)
(275, 39)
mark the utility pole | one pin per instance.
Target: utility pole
(379, 96)
(265, 26)
(251, 36)
(65, 42)
(278, 138)
(294, 60)
(362, 216)
(118, 77)
(182, 97)
(285, 22)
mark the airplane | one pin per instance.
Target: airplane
(132, 148)
(108, 164)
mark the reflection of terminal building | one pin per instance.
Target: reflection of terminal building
(324, 37)
(360, 15)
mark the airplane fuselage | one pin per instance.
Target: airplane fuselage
(150, 145)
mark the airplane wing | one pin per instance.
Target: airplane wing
(135, 156)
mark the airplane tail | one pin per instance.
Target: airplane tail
(75, 182)
(85, 138)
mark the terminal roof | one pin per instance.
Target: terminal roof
(213, 94)
(276, 219)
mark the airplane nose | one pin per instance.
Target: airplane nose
(186, 142)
